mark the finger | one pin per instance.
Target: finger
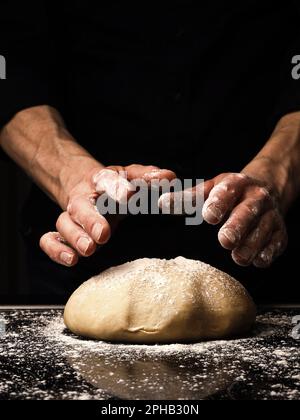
(75, 235)
(84, 213)
(114, 184)
(114, 180)
(208, 186)
(149, 173)
(255, 242)
(53, 245)
(240, 222)
(224, 196)
(176, 202)
(135, 171)
(274, 249)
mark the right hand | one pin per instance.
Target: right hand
(81, 228)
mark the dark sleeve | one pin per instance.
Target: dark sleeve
(289, 87)
(26, 47)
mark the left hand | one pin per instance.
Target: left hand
(253, 225)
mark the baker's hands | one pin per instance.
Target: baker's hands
(249, 210)
(39, 142)
(80, 229)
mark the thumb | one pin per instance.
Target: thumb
(113, 182)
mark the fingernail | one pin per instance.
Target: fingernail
(213, 214)
(229, 234)
(244, 253)
(83, 244)
(66, 258)
(97, 231)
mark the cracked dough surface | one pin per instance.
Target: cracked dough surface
(160, 301)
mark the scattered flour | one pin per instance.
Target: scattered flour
(40, 359)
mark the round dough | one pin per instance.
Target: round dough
(160, 301)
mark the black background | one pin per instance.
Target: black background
(193, 87)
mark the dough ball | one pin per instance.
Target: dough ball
(160, 301)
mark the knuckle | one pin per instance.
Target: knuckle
(108, 171)
(87, 226)
(240, 178)
(104, 175)
(70, 208)
(152, 168)
(96, 176)
(251, 209)
(73, 206)
(263, 193)
(231, 178)
(233, 181)
(111, 168)
(46, 241)
(220, 189)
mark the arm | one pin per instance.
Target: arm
(251, 205)
(38, 141)
(253, 218)
(279, 160)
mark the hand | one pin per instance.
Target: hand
(80, 229)
(253, 225)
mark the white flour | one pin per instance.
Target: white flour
(40, 359)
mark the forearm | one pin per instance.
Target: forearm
(38, 141)
(278, 163)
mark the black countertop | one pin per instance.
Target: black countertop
(40, 359)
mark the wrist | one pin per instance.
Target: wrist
(268, 171)
(275, 176)
(278, 163)
(38, 141)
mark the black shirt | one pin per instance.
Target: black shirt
(192, 86)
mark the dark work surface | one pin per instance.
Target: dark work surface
(39, 359)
